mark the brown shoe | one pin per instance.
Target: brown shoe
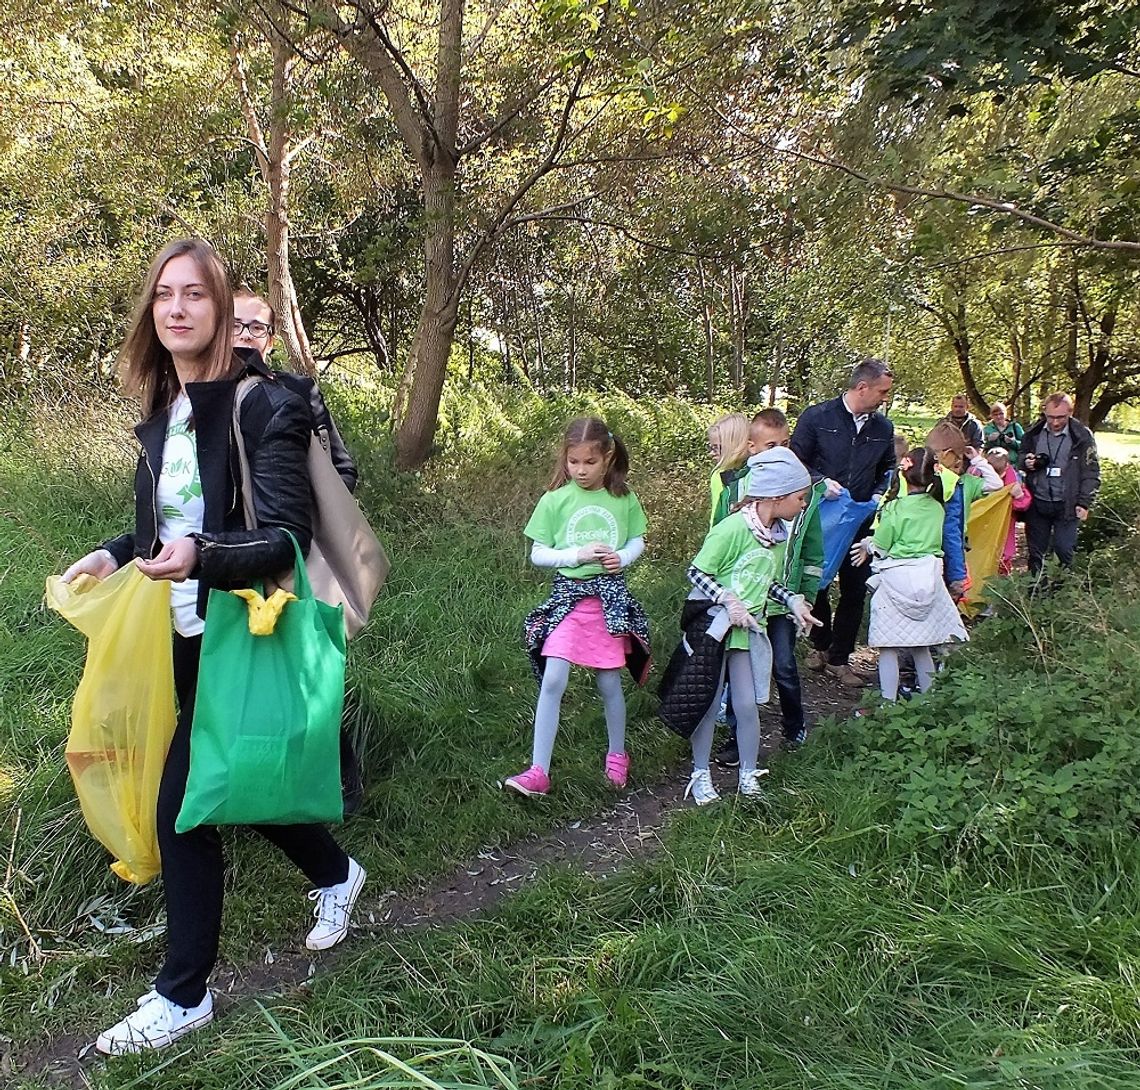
(846, 676)
(817, 661)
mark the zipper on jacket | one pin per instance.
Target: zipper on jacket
(153, 502)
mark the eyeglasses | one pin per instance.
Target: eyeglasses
(1060, 416)
(257, 330)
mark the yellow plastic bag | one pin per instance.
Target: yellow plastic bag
(123, 715)
(987, 530)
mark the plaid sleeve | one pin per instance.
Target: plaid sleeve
(781, 595)
(705, 583)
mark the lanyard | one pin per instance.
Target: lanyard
(1049, 446)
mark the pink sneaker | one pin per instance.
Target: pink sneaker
(534, 781)
(617, 768)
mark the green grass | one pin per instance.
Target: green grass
(810, 942)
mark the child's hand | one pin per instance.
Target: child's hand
(611, 562)
(831, 489)
(972, 454)
(861, 552)
(738, 614)
(593, 553)
(804, 618)
(957, 589)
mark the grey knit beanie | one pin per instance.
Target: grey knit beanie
(776, 472)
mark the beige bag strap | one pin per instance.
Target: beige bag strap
(346, 563)
(243, 388)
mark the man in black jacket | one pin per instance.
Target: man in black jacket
(846, 443)
(1059, 457)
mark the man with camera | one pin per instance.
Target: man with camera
(1059, 457)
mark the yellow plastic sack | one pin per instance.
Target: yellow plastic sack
(987, 531)
(123, 715)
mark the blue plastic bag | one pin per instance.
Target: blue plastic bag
(840, 520)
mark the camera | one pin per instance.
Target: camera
(1040, 461)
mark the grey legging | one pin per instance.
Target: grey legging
(739, 670)
(554, 679)
(889, 670)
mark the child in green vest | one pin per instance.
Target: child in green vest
(728, 447)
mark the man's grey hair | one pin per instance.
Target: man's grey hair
(869, 371)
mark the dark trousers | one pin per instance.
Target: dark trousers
(837, 635)
(192, 863)
(1045, 519)
(786, 674)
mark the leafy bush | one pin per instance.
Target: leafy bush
(1117, 510)
(1032, 733)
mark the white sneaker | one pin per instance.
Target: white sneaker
(701, 787)
(750, 782)
(333, 908)
(155, 1023)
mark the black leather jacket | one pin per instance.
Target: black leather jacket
(276, 424)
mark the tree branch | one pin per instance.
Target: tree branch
(492, 232)
(973, 199)
(256, 136)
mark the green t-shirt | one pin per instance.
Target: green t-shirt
(572, 517)
(910, 527)
(736, 560)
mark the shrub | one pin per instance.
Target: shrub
(1032, 733)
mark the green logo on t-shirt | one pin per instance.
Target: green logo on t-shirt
(592, 523)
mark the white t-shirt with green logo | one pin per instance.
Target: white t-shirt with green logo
(180, 507)
(736, 560)
(570, 517)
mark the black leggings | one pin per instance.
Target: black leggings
(193, 865)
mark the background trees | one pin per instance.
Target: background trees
(717, 203)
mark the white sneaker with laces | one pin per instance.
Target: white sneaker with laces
(701, 787)
(750, 782)
(155, 1023)
(333, 908)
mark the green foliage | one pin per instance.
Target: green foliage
(1116, 512)
(1031, 735)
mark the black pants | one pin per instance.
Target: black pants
(1045, 519)
(837, 635)
(192, 863)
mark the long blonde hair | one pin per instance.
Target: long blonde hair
(731, 432)
(145, 364)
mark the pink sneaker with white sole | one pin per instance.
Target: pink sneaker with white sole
(617, 769)
(534, 781)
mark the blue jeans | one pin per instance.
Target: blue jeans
(785, 673)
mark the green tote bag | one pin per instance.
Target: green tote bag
(264, 746)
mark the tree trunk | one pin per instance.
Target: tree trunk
(274, 159)
(1095, 374)
(572, 348)
(706, 313)
(417, 401)
(540, 345)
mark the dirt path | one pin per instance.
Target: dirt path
(601, 844)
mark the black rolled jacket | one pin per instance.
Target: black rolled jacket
(276, 425)
(1082, 475)
(826, 442)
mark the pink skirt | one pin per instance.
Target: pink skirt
(583, 639)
